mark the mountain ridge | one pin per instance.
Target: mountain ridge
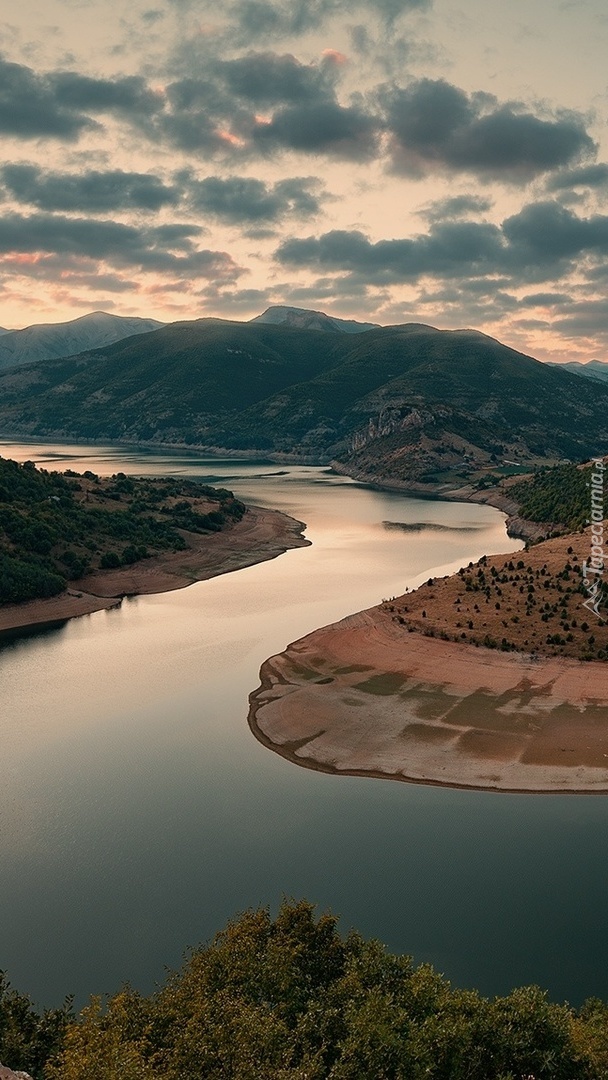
(404, 404)
(307, 319)
(51, 341)
(591, 369)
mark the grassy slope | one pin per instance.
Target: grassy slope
(531, 602)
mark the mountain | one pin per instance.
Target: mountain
(49, 341)
(304, 319)
(594, 369)
(402, 403)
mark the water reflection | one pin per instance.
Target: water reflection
(137, 812)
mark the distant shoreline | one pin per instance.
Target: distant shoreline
(516, 526)
(260, 535)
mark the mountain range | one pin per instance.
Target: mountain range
(409, 403)
(594, 369)
(49, 341)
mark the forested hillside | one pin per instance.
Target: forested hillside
(407, 403)
(561, 494)
(56, 527)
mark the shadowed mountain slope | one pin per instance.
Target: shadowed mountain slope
(407, 402)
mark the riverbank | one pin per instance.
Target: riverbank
(259, 536)
(516, 526)
(383, 693)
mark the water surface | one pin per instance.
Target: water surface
(137, 812)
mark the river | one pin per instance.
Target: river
(138, 813)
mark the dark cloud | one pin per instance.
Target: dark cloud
(437, 126)
(195, 95)
(168, 248)
(200, 115)
(540, 242)
(195, 132)
(456, 207)
(583, 317)
(130, 95)
(92, 192)
(321, 128)
(544, 299)
(153, 15)
(548, 233)
(593, 176)
(450, 249)
(29, 109)
(244, 199)
(56, 105)
(268, 77)
(216, 115)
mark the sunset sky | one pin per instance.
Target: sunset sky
(436, 161)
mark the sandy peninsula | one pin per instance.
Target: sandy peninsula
(260, 535)
(391, 693)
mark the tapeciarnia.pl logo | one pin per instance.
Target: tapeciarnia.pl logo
(593, 570)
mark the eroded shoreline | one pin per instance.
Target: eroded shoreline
(260, 535)
(360, 697)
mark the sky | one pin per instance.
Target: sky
(434, 161)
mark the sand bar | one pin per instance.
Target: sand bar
(260, 535)
(361, 697)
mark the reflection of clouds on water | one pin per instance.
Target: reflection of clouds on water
(420, 526)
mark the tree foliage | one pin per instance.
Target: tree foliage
(57, 527)
(290, 998)
(560, 495)
(29, 1038)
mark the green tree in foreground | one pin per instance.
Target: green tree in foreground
(291, 999)
(27, 1038)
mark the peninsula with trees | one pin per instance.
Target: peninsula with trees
(73, 543)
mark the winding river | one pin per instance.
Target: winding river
(138, 813)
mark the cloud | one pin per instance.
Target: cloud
(243, 199)
(269, 77)
(548, 233)
(436, 126)
(29, 108)
(220, 114)
(200, 115)
(544, 299)
(593, 176)
(541, 241)
(92, 192)
(167, 248)
(448, 249)
(291, 18)
(583, 317)
(456, 206)
(56, 105)
(130, 95)
(321, 128)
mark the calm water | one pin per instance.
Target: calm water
(137, 812)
